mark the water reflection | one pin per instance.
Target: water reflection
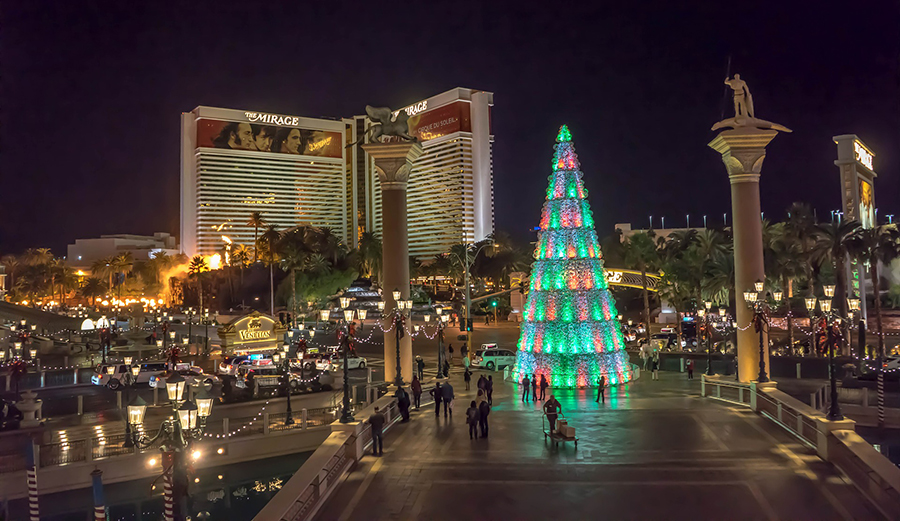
(232, 492)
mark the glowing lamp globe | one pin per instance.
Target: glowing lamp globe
(810, 303)
(136, 411)
(187, 415)
(175, 386)
(829, 290)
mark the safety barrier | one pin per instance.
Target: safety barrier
(834, 441)
(305, 493)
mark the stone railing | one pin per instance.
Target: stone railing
(834, 441)
(305, 493)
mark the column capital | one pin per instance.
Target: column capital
(393, 162)
(743, 151)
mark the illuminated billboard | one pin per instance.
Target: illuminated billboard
(441, 121)
(866, 204)
(212, 133)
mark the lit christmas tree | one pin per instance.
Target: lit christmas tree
(571, 333)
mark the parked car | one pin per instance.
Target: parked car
(117, 378)
(493, 358)
(230, 364)
(193, 375)
(668, 341)
(335, 362)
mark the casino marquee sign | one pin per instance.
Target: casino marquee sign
(251, 333)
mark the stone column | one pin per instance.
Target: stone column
(393, 162)
(743, 150)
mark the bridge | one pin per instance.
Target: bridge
(667, 449)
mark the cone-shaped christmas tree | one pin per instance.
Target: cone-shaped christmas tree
(570, 333)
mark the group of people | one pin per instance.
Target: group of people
(651, 362)
(532, 385)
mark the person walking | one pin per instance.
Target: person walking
(377, 423)
(489, 389)
(472, 418)
(482, 383)
(552, 409)
(526, 384)
(690, 368)
(484, 410)
(420, 365)
(446, 369)
(534, 384)
(416, 387)
(654, 366)
(403, 403)
(544, 386)
(601, 389)
(467, 376)
(450, 352)
(447, 398)
(645, 355)
(437, 393)
(464, 351)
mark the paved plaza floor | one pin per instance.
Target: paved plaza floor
(655, 450)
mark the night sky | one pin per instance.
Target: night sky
(92, 94)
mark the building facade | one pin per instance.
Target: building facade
(235, 162)
(300, 171)
(85, 252)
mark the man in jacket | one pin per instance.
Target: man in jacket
(377, 422)
(436, 393)
(447, 398)
(485, 410)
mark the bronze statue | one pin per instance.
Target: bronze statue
(386, 126)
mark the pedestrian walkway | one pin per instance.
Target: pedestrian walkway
(655, 450)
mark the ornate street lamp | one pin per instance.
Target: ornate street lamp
(346, 411)
(760, 321)
(176, 435)
(831, 324)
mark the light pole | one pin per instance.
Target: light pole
(756, 299)
(853, 304)
(130, 379)
(831, 324)
(399, 321)
(176, 434)
(467, 263)
(286, 379)
(190, 318)
(346, 411)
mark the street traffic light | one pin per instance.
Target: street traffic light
(494, 303)
(469, 324)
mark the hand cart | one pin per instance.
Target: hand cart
(555, 436)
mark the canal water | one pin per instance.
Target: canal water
(232, 492)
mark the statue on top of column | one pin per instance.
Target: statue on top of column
(743, 109)
(387, 125)
(743, 100)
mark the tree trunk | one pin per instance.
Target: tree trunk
(255, 244)
(840, 295)
(878, 319)
(786, 285)
(293, 295)
(646, 302)
(271, 290)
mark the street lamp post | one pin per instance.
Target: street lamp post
(704, 313)
(468, 265)
(834, 408)
(399, 318)
(286, 380)
(853, 304)
(756, 298)
(176, 435)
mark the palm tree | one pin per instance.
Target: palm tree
(800, 227)
(197, 267)
(104, 268)
(12, 265)
(93, 288)
(293, 257)
(240, 255)
(256, 220)
(641, 253)
(871, 246)
(269, 243)
(316, 264)
(370, 255)
(787, 264)
(831, 244)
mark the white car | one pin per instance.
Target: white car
(193, 375)
(491, 357)
(113, 381)
(231, 364)
(336, 363)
